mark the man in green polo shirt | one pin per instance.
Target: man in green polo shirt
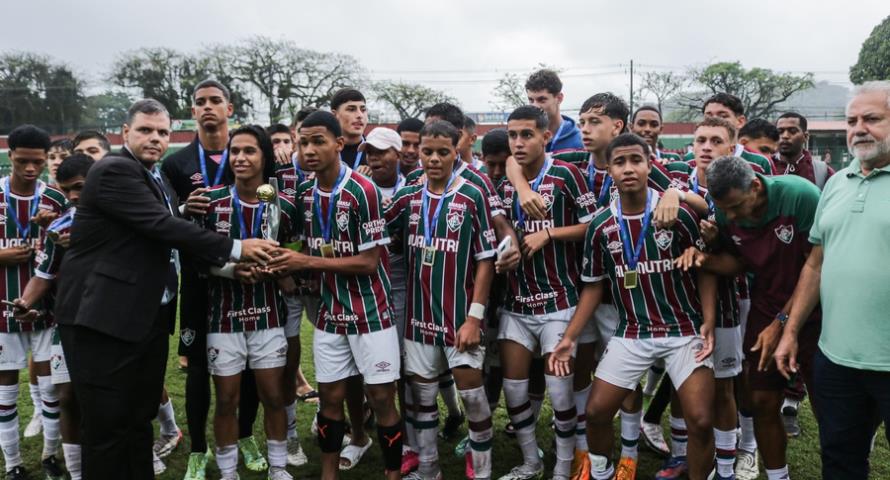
(848, 267)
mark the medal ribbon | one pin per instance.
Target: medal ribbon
(23, 230)
(520, 215)
(332, 200)
(257, 217)
(631, 258)
(202, 159)
(425, 210)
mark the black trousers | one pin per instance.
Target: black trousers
(118, 385)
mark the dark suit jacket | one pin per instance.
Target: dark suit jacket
(112, 278)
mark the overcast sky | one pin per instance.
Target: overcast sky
(462, 47)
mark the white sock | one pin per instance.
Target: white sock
(778, 474)
(630, 433)
(520, 411)
(724, 442)
(565, 419)
(72, 459)
(581, 397)
(653, 376)
(600, 467)
(427, 426)
(537, 402)
(277, 453)
(227, 460)
(448, 391)
(410, 433)
(291, 411)
(679, 437)
(36, 401)
(9, 426)
(747, 441)
(52, 436)
(167, 419)
(480, 429)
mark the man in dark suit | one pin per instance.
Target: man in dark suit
(116, 298)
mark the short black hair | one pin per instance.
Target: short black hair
(28, 136)
(410, 125)
(303, 113)
(211, 83)
(469, 124)
(531, 112)
(321, 118)
(646, 108)
(802, 121)
(544, 79)
(277, 128)
(495, 141)
(449, 112)
(441, 128)
(76, 165)
(728, 100)
(611, 105)
(84, 135)
(62, 144)
(759, 128)
(344, 95)
(146, 106)
(265, 143)
(627, 140)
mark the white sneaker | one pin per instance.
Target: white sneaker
(278, 473)
(158, 465)
(653, 437)
(525, 472)
(295, 455)
(35, 425)
(746, 465)
(165, 444)
(415, 475)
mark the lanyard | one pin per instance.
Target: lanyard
(427, 229)
(520, 215)
(359, 155)
(316, 204)
(23, 230)
(63, 222)
(257, 217)
(605, 188)
(696, 190)
(559, 130)
(202, 159)
(631, 258)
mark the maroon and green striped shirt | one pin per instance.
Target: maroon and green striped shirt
(15, 277)
(665, 302)
(548, 281)
(350, 304)
(234, 306)
(476, 177)
(440, 295)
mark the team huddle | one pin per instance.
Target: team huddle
(572, 259)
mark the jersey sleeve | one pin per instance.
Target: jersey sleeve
(483, 232)
(48, 260)
(806, 205)
(371, 223)
(291, 226)
(395, 212)
(580, 195)
(659, 177)
(592, 262)
(687, 227)
(494, 200)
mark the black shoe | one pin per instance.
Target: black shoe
(17, 473)
(52, 469)
(452, 426)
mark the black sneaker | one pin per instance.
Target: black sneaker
(52, 469)
(452, 426)
(17, 473)
(792, 424)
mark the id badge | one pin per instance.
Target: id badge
(429, 256)
(630, 279)
(327, 250)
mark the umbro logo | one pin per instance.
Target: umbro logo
(382, 366)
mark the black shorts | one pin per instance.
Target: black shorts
(192, 314)
(771, 379)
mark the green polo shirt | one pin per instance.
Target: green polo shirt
(853, 226)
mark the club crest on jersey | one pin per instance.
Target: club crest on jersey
(187, 336)
(212, 354)
(342, 220)
(455, 219)
(664, 238)
(785, 233)
(547, 197)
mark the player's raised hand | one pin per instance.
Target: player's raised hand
(691, 258)
(44, 217)
(197, 203)
(532, 204)
(668, 209)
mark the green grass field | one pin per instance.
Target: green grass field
(803, 451)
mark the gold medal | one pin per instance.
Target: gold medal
(429, 256)
(630, 279)
(327, 250)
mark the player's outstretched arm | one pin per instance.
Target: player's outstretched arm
(289, 261)
(590, 299)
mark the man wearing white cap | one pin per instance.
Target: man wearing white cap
(383, 148)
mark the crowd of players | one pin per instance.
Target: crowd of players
(572, 258)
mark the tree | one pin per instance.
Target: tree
(286, 77)
(509, 93)
(761, 90)
(874, 56)
(35, 89)
(157, 73)
(662, 85)
(408, 99)
(106, 110)
(215, 62)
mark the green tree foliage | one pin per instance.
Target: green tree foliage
(874, 56)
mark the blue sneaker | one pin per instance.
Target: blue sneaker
(674, 467)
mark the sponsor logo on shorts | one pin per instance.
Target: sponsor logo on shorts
(282, 351)
(728, 362)
(382, 366)
(212, 354)
(785, 233)
(187, 335)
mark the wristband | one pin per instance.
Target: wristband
(782, 317)
(548, 235)
(477, 310)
